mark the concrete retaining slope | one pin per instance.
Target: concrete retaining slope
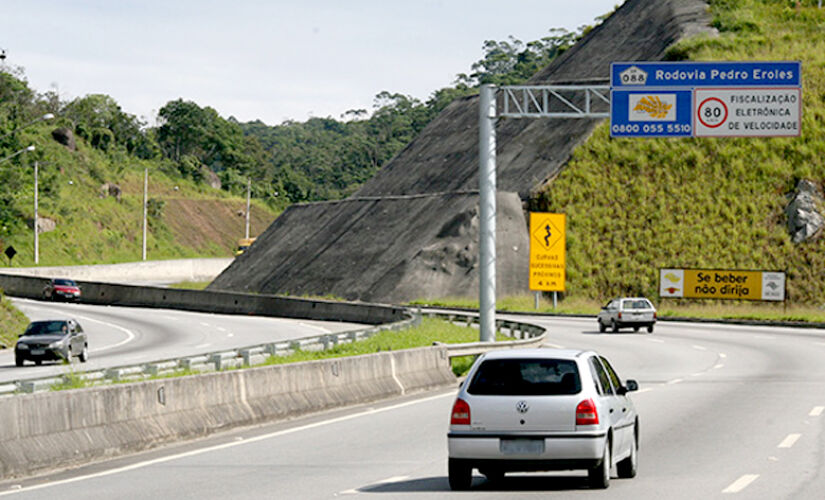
(212, 302)
(158, 271)
(399, 250)
(59, 429)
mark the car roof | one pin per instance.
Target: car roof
(538, 353)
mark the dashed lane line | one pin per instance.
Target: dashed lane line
(700, 348)
(658, 341)
(741, 483)
(789, 441)
(816, 411)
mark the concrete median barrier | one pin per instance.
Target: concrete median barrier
(55, 430)
(212, 302)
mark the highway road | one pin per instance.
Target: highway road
(727, 412)
(121, 336)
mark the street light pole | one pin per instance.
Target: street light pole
(29, 149)
(248, 196)
(145, 203)
(47, 116)
(36, 220)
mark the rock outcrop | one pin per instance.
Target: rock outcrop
(805, 219)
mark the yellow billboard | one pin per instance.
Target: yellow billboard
(721, 284)
(547, 252)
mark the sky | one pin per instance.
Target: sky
(268, 60)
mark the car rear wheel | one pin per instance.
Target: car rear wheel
(627, 467)
(18, 360)
(602, 328)
(650, 329)
(635, 328)
(38, 362)
(599, 476)
(614, 325)
(460, 474)
(84, 354)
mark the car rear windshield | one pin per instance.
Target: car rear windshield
(46, 328)
(526, 377)
(62, 282)
(636, 304)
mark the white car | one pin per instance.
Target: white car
(635, 312)
(541, 410)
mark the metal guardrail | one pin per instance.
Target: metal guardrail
(526, 335)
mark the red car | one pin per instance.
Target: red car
(61, 289)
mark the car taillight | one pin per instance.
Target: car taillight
(586, 413)
(461, 413)
(620, 315)
(654, 315)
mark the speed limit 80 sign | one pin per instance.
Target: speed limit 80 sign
(748, 112)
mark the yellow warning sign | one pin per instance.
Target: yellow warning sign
(547, 252)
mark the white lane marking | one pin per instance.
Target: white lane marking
(389, 480)
(553, 346)
(646, 389)
(130, 336)
(741, 483)
(718, 365)
(700, 348)
(723, 355)
(658, 341)
(789, 441)
(217, 447)
(675, 381)
(205, 324)
(817, 411)
(394, 479)
(321, 328)
(697, 374)
(222, 329)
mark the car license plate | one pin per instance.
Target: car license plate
(521, 446)
(38, 352)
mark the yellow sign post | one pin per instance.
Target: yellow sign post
(548, 245)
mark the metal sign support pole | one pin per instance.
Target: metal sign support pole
(487, 200)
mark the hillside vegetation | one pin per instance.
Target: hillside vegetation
(635, 205)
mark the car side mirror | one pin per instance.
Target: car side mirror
(631, 385)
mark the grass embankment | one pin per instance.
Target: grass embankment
(12, 323)
(186, 219)
(636, 205)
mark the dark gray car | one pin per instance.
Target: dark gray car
(51, 340)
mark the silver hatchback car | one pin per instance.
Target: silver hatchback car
(634, 312)
(539, 410)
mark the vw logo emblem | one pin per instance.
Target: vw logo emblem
(522, 407)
